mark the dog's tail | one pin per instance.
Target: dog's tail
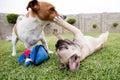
(57, 34)
(19, 18)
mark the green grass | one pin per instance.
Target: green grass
(103, 65)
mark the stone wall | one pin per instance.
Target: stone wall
(5, 27)
(84, 22)
(104, 22)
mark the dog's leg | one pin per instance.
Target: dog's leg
(96, 45)
(57, 34)
(14, 41)
(101, 40)
(78, 36)
(103, 37)
(44, 42)
(67, 26)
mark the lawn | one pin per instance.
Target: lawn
(103, 65)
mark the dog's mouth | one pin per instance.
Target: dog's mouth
(74, 63)
(59, 19)
(74, 66)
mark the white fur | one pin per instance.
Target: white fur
(87, 44)
(30, 31)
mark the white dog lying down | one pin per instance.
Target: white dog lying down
(70, 53)
(29, 28)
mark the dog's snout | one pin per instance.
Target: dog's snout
(63, 16)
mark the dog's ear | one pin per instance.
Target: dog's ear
(33, 5)
(61, 44)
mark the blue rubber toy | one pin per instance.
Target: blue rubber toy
(37, 55)
(28, 61)
(21, 59)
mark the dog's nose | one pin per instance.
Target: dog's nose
(63, 16)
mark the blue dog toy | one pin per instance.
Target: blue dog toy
(37, 55)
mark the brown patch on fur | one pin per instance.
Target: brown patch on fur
(44, 10)
(31, 13)
(33, 5)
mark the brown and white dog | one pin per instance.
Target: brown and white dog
(70, 53)
(29, 28)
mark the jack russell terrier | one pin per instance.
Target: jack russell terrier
(70, 53)
(29, 28)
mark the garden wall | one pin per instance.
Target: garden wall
(84, 22)
(104, 22)
(5, 27)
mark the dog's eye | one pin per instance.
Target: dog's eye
(52, 9)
